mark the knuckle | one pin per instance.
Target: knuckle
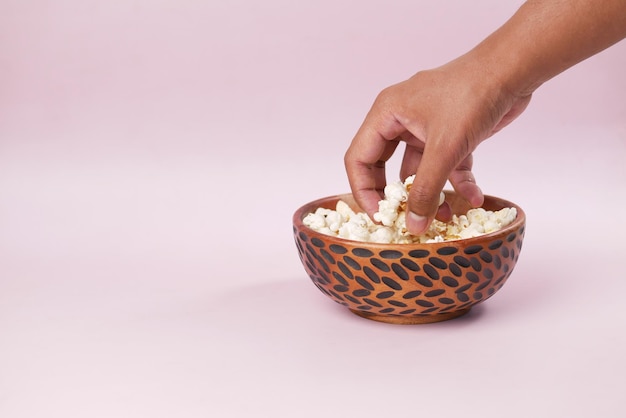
(422, 201)
(387, 98)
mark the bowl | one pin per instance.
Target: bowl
(409, 283)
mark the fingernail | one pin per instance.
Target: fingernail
(416, 224)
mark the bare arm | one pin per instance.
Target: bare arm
(544, 38)
(443, 114)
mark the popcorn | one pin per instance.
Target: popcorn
(387, 212)
(315, 220)
(334, 220)
(382, 235)
(357, 228)
(345, 223)
(345, 210)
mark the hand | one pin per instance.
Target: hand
(442, 115)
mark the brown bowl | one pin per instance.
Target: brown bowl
(409, 283)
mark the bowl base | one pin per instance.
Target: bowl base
(410, 320)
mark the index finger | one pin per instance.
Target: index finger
(365, 161)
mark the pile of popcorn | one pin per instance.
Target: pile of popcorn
(390, 225)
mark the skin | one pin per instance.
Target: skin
(443, 114)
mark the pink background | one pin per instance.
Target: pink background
(152, 153)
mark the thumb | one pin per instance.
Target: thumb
(430, 178)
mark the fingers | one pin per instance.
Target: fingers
(367, 180)
(442, 115)
(365, 159)
(434, 164)
(464, 183)
(440, 133)
(444, 212)
(430, 178)
(411, 159)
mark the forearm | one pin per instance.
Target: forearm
(546, 37)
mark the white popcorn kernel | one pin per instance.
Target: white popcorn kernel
(334, 220)
(354, 230)
(323, 211)
(315, 221)
(473, 230)
(327, 231)
(396, 192)
(455, 226)
(360, 219)
(506, 215)
(382, 235)
(491, 226)
(387, 212)
(477, 215)
(461, 220)
(345, 223)
(344, 210)
(400, 223)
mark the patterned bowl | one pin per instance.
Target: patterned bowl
(409, 283)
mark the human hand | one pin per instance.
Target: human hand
(442, 115)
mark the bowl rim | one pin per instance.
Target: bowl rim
(302, 211)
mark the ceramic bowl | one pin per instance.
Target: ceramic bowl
(409, 283)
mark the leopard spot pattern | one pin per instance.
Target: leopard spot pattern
(414, 282)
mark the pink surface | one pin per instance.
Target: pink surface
(152, 154)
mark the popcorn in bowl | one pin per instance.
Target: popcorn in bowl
(390, 225)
